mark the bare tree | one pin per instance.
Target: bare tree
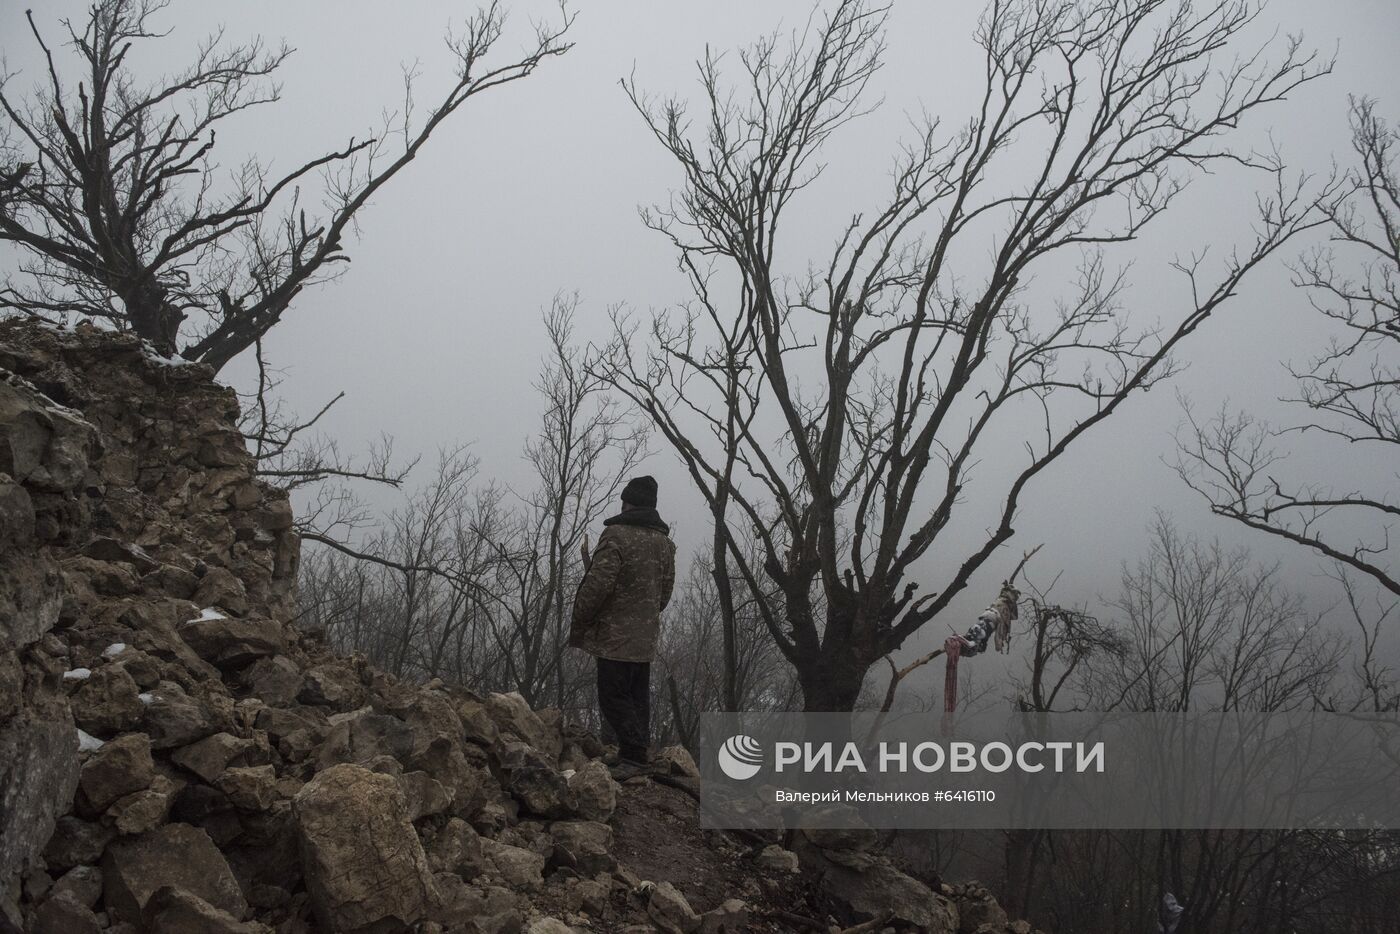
(584, 450)
(111, 195)
(1350, 392)
(838, 410)
(475, 582)
(1202, 627)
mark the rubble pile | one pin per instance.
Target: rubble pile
(176, 756)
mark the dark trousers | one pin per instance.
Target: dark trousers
(624, 699)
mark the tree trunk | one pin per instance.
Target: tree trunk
(152, 317)
(832, 681)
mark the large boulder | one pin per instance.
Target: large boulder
(38, 774)
(232, 643)
(175, 855)
(119, 768)
(365, 868)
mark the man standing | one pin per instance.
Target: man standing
(617, 615)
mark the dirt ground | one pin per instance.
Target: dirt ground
(657, 835)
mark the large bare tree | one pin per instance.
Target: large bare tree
(110, 191)
(836, 406)
(1348, 393)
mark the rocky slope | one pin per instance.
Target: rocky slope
(175, 756)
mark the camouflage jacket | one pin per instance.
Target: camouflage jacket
(617, 609)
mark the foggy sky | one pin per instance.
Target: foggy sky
(434, 331)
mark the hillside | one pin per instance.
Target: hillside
(176, 756)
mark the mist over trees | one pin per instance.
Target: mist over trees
(845, 416)
(110, 190)
(840, 405)
(1348, 393)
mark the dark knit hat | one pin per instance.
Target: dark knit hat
(640, 491)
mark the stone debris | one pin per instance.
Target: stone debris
(175, 756)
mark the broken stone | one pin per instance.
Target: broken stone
(76, 842)
(108, 702)
(175, 855)
(65, 915)
(230, 644)
(477, 725)
(774, 858)
(457, 849)
(731, 917)
(514, 717)
(221, 588)
(249, 788)
(110, 549)
(584, 846)
(210, 756)
(175, 911)
(144, 810)
(595, 793)
(83, 884)
(173, 718)
(275, 680)
(515, 866)
(423, 796)
(331, 686)
(677, 760)
(669, 910)
(369, 870)
(119, 768)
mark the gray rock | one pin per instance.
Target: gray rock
(584, 846)
(369, 870)
(64, 915)
(76, 842)
(175, 911)
(423, 795)
(275, 680)
(230, 644)
(173, 718)
(210, 756)
(669, 910)
(457, 848)
(776, 859)
(175, 855)
(249, 788)
(108, 702)
(120, 767)
(731, 917)
(595, 792)
(83, 884)
(38, 775)
(515, 866)
(514, 717)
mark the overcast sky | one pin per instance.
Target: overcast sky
(434, 331)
